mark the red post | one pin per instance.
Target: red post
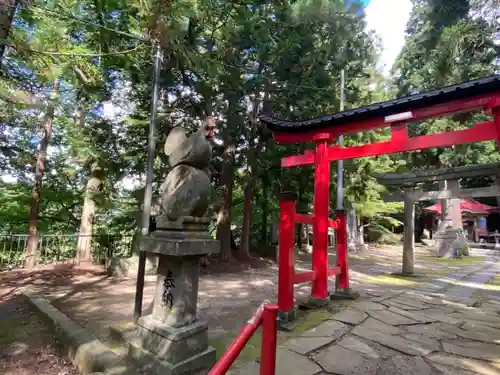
(239, 343)
(269, 340)
(320, 224)
(343, 277)
(286, 253)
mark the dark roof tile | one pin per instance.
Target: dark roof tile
(417, 101)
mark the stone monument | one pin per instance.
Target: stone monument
(172, 340)
(450, 240)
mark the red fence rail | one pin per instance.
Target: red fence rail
(266, 315)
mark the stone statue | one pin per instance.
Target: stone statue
(186, 189)
(172, 339)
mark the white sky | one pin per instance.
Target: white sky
(388, 18)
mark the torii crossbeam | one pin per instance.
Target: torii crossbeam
(477, 95)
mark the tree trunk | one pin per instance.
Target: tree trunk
(264, 230)
(244, 252)
(37, 188)
(224, 214)
(84, 244)
(227, 182)
(7, 10)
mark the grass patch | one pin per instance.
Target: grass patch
(465, 261)
(438, 267)
(495, 280)
(491, 287)
(307, 320)
(250, 352)
(432, 269)
(493, 284)
(399, 280)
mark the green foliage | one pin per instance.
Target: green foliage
(218, 58)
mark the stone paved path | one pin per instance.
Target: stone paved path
(426, 331)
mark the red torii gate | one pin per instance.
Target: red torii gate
(477, 95)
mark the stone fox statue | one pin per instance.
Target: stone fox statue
(186, 189)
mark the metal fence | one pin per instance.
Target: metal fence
(55, 248)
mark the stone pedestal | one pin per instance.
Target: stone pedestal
(447, 244)
(171, 340)
(409, 232)
(450, 239)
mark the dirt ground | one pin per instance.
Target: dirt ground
(227, 297)
(27, 346)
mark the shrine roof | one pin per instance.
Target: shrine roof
(425, 99)
(467, 205)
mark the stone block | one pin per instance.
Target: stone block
(394, 342)
(449, 243)
(171, 344)
(400, 364)
(391, 318)
(433, 331)
(474, 350)
(427, 341)
(339, 360)
(288, 362)
(185, 192)
(406, 303)
(467, 364)
(121, 333)
(185, 224)
(440, 316)
(350, 316)
(127, 267)
(377, 325)
(304, 345)
(176, 292)
(448, 370)
(330, 328)
(476, 332)
(414, 315)
(165, 245)
(87, 353)
(350, 343)
(344, 294)
(477, 316)
(199, 363)
(367, 306)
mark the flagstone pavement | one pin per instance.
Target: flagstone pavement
(429, 330)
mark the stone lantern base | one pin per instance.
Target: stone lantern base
(171, 340)
(167, 350)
